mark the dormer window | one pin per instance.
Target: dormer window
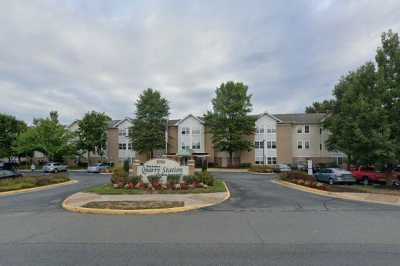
(185, 131)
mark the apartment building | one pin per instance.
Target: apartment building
(278, 138)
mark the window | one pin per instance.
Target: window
(273, 144)
(320, 130)
(185, 131)
(121, 132)
(306, 129)
(273, 130)
(130, 146)
(269, 144)
(269, 130)
(196, 131)
(320, 147)
(273, 160)
(299, 130)
(259, 130)
(122, 146)
(259, 160)
(307, 144)
(196, 145)
(259, 144)
(299, 145)
(269, 160)
(185, 147)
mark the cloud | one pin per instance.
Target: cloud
(76, 56)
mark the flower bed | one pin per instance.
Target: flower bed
(31, 182)
(133, 205)
(121, 183)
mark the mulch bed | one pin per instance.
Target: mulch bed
(133, 205)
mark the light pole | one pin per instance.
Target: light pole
(263, 142)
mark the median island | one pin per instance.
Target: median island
(153, 189)
(29, 182)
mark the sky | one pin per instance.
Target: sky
(75, 56)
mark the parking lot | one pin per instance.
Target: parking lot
(262, 223)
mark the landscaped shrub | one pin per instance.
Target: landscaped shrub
(245, 165)
(173, 179)
(134, 180)
(154, 179)
(261, 169)
(119, 176)
(126, 166)
(43, 181)
(188, 179)
(295, 175)
(205, 178)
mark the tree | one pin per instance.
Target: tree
(358, 122)
(325, 106)
(388, 62)
(47, 136)
(229, 119)
(150, 123)
(92, 133)
(10, 128)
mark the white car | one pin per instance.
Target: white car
(282, 168)
(54, 168)
(98, 168)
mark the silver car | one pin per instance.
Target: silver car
(98, 168)
(282, 168)
(334, 175)
(54, 168)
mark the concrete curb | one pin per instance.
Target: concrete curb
(142, 212)
(26, 190)
(226, 170)
(361, 197)
(256, 173)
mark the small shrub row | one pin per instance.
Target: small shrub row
(295, 175)
(261, 169)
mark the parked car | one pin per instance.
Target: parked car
(282, 168)
(54, 168)
(368, 175)
(334, 175)
(99, 167)
(7, 165)
(6, 174)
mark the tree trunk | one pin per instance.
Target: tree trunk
(88, 158)
(230, 160)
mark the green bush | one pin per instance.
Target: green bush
(126, 166)
(205, 178)
(296, 175)
(173, 179)
(154, 179)
(134, 179)
(245, 165)
(188, 179)
(119, 175)
(261, 169)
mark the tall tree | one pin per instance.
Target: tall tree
(10, 128)
(388, 62)
(48, 136)
(150, 123)
(92, 133)
(358, 122)
(325, 106)
(229, 119)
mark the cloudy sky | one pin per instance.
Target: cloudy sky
(79, 55)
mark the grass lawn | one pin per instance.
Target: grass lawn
(109, 189)
(31, 182)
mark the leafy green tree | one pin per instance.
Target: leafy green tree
(358, 122)
(92, 133)
(229, 119)
(47, 136)
(388, 71)
(10, 128)
(150, 123)
(325, 106)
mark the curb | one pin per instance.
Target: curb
(26, 190)
(256, 173)
(338, 195)
(142, 212)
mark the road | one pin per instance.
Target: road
(262, 224)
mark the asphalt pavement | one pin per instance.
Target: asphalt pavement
(262, 224)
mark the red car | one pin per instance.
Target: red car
(368, 175)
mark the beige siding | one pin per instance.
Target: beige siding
(172, 140)
(284, 143)
(248, 156)
(112, 145)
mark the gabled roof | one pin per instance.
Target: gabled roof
(195, 117)
(269, 115)
(116, 123)
(301, 118)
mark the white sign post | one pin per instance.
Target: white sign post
(309, 167)
(161, 167)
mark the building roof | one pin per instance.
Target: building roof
(301, 118)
